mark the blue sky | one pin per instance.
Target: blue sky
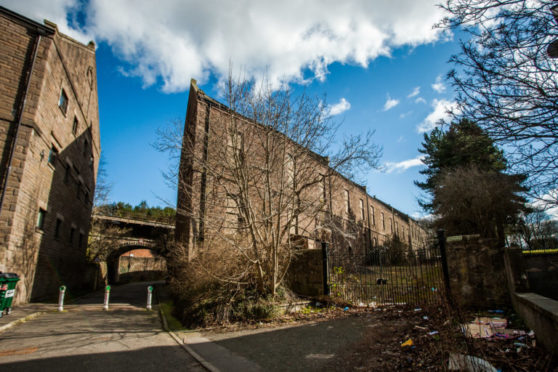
(380, 63)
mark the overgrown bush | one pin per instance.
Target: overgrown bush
(203, 299)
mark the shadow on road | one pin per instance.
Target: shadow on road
(163, 358)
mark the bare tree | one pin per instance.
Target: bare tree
(536, 230)
(102, 187)
(508, 84)
(266, 163)
(474, 201)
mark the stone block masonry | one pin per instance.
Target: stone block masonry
(49, 153)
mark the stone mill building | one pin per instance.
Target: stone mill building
(49, 154)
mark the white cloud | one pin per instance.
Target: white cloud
(390, 103)
(168, 42)
(414, 93)
(439, 113)
(402, 166)
(439, 86)
(549, 202)
(56, 11)
(338, 108)
(420, 100)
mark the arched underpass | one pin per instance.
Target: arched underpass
(130, 263)
(135, 248)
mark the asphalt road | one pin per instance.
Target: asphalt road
(86, 338)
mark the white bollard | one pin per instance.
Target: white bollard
(149, 296)
(61, 298)
(107, 295)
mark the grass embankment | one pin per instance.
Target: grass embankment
(168, 309)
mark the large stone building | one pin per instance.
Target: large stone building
(50, 148)
(331, 208)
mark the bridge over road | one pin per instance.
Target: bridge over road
(129, 249)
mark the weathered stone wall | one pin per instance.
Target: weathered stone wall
(54, 165)
(305, 275)
(363, 220)
(477, 272)
(140, 265)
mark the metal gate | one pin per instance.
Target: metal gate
(381, 275)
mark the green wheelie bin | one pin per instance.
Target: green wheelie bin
(8, 283)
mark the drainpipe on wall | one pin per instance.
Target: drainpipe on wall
(19, 117)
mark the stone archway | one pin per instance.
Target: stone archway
(113, 259)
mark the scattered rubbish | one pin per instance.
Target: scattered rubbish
(476, 330)
(421, 328)
(425, 317)
(531, 333)
(509, 333)
(460, 362)
(520, 344)
(318, 304)
(346, 308)
(434, 289)
(486, 327)
(418, 309)
(433, 333)
(409, 342)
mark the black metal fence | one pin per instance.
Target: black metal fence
(381, 275)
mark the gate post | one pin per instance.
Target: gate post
(445, 270)
(325, 268)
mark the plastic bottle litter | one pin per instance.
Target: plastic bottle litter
(433, 333)
(409, 342)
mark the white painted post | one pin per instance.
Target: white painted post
(149, 296)
(107, 295)
(61, 298)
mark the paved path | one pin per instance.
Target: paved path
(86, 338)
(308, 347)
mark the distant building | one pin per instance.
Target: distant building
(50, 149)
(347, 217)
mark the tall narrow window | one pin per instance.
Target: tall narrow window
(347, 202)
(383, 222)
(67, 173)
(323, 192)
(63, 101)
(72, 233)
(362, 209)
(372, 216)
(52, 155)
(41, 219)
(234, 146)
(80, 241)
(75, 126)
(57, 228)
(85, 146)
(290, 169)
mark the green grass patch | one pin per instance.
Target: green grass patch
(173, 323)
